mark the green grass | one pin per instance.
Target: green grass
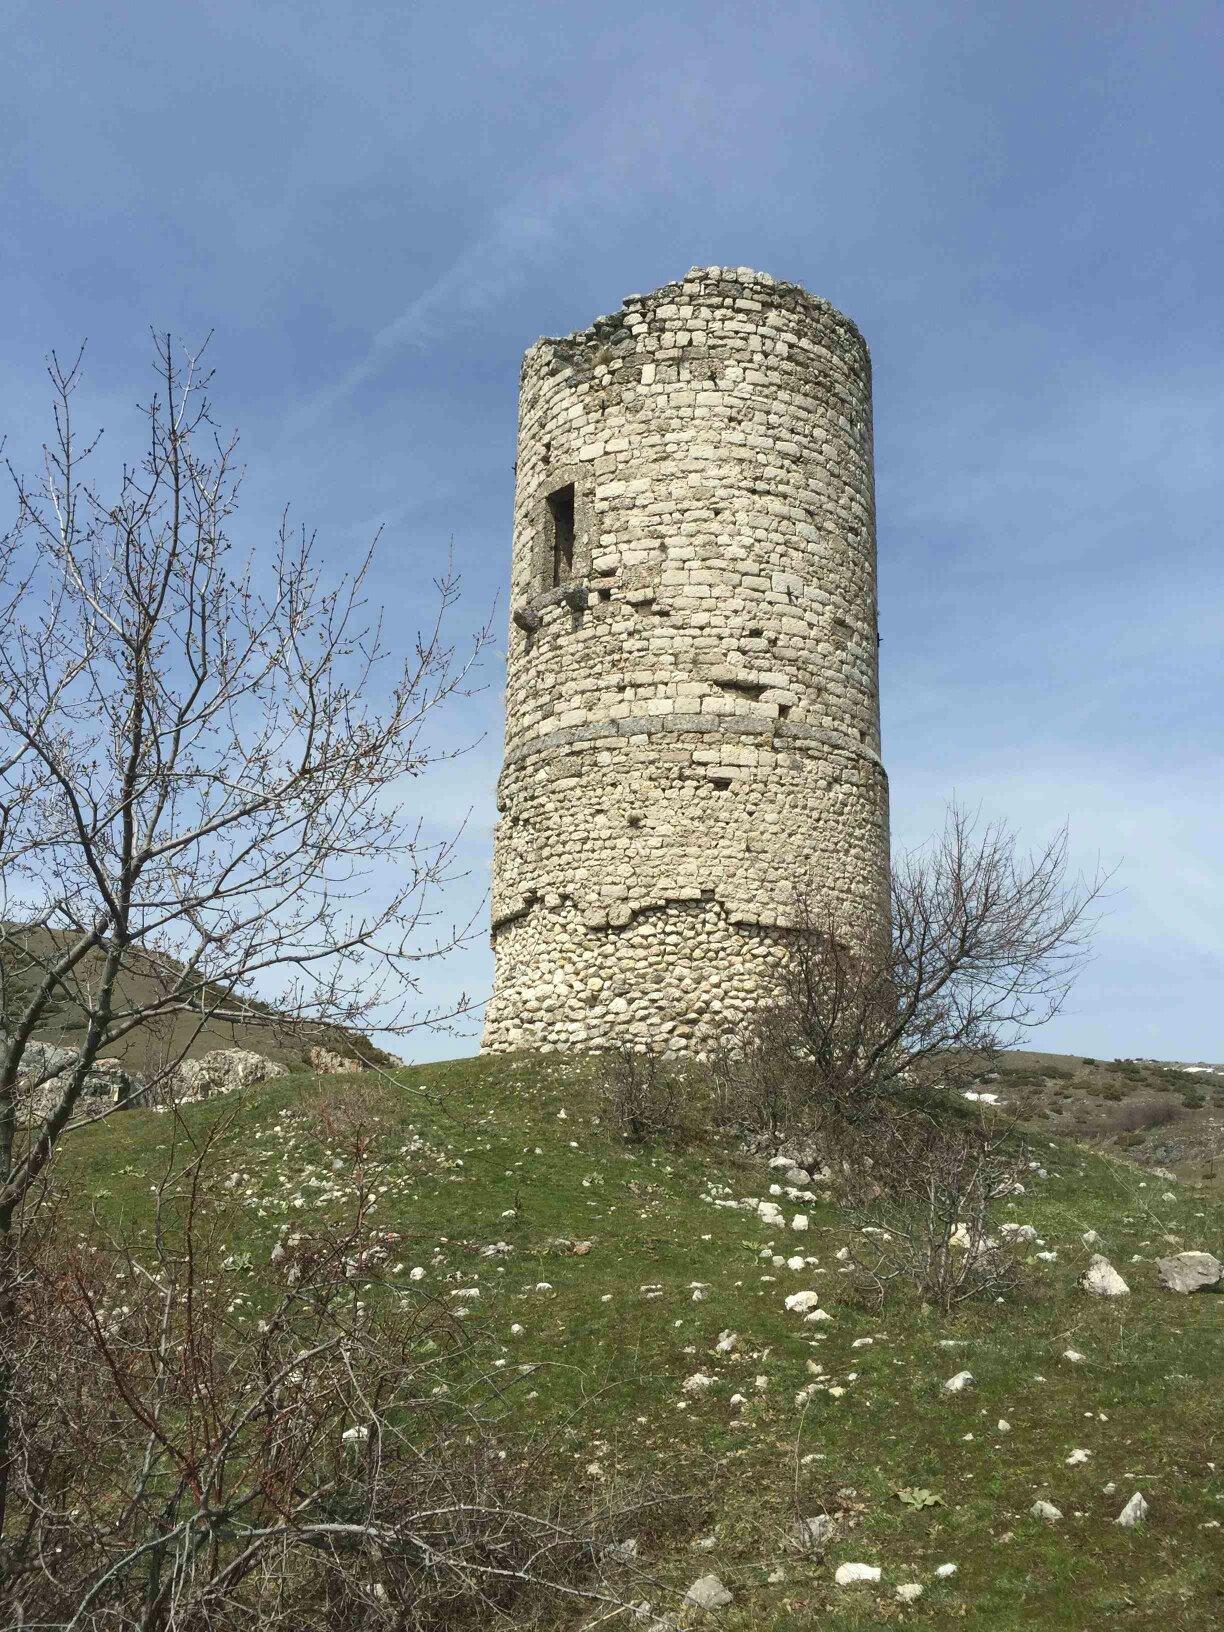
(477, 1152)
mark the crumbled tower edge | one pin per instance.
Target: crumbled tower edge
(692, 703)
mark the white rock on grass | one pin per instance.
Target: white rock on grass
(1189, 1271)
(708, 1592)
(910, 1592)
(1134, 1513)
(945, 1571)
(1103, 1279)
(849, 1575)
(1090, 1238)
(802, 1303)
(697, 1383)
(799, 1222)
(1074, 1356)
(955, 1385)
(1046, 1511)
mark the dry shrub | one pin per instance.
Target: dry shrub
(1137, 1116)
(762, 1081)
(202, 1442)
(349, 1111)
(924, 1191)
(643, 1094)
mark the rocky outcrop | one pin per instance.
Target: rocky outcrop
(221, 1072)
(43, 1078)
(330, 1064)
(45, 1067)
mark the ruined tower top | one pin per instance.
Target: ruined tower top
(692, 714)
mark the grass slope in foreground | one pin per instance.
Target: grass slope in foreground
(478, 1152)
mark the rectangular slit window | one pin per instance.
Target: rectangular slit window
(561, 515)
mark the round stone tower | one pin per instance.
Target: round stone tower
(692, 708)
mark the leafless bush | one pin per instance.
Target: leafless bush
(923, 1192)
(1139, 1115)
(761, 1081)
(983, 944)
(200, 1442)
(348, 1110)
(642, 1094)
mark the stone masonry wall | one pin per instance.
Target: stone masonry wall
(692, 713)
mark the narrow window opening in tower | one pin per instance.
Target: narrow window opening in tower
(561, 514)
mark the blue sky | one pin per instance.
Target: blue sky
(377, 207)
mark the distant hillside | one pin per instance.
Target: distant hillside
(145, 1049)
(1155, 1112)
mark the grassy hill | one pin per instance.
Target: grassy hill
(510, 1154)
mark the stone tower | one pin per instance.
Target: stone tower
(692, 708)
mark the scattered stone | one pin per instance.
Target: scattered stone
(1134, 1513)
(910, 1592)
(1077, 1456)
(944, 1571)
(1090, 1238)
(708, 1592)
(1189, 1271)
(622, 1552)
(1046, 1511)
(955, 1385)
(812, 1535)
(847, 1575)
(1102, 1279)
(801, 1303)
(697, 1383)
(1074, 1356)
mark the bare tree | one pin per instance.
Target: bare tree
(984, 943)
(201, 771)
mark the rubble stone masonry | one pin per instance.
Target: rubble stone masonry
(692, 707)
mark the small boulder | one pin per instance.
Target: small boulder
(1046, 1511)
(1133, 1513)
(708, 1592)
(910, 1592)
(1189, 1271)
(800, 1303)
(1102, 1279)
(849, 1575)
(955, 1385)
